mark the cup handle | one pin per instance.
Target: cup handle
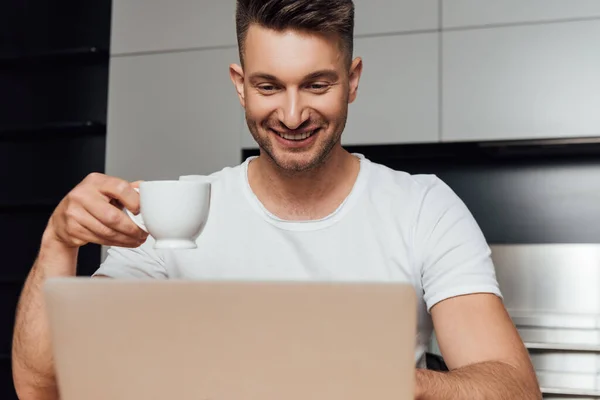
(137, 219)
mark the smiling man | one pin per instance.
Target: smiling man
(296, 79)
(304, 209)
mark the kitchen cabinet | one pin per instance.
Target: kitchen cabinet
(159, 25)
(385, 16)
(172, 114)
(142, 26)
(462, 13)
(521, 82)
(398, 94)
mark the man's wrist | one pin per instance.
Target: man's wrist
(55, 258)
(420, 384)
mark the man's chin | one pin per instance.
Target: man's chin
(296, 160)
(295, 163)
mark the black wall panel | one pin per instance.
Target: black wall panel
(41, 171)
(53, 103)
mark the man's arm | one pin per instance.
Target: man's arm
(32, 361)
(86, 215)
(483, 350)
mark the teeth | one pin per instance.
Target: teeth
(299, 136)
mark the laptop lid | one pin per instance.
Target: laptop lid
(219, 340)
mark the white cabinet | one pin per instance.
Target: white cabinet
(172, 114)
(460, 13)
(157, 25)
(522, 82)
(398, 94)
(385, 16)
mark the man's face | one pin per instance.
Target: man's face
(295, 88)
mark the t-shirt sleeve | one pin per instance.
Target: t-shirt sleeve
(452, 252)
(140, 262)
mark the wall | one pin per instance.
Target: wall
(172, 108)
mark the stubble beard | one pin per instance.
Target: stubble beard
(265, 143)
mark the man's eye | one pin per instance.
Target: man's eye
(318, 87)
(267, 88)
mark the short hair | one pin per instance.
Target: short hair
(312, 16)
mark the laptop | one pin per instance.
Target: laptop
(229, 340)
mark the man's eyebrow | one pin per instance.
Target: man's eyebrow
(328, 74)
(263, 76)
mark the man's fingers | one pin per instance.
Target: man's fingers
(93, 231)
(136, 184)
(122, 191)
(105, 219)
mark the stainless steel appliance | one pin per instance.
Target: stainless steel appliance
(552, 292)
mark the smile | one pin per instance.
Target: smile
(297, 136)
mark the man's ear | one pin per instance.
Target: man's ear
(354, 77)
(236, 73)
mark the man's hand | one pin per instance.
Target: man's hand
(483, 350)
(91, 213)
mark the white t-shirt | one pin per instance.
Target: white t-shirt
(393, 226)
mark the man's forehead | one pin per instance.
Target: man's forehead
(265, 47)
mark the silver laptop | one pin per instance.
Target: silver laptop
(223, 340)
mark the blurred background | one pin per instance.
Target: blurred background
(500, 98)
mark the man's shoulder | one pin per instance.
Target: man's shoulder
(228, 172)
(412, 197)
(399, 182)
(229, 178)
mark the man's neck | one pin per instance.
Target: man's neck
(306, 195)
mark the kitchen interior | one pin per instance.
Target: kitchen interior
(500, 99)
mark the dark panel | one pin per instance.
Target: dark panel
(524, 202)
(88, 260)
(53, 104)
(530, 192)
(44, 171)
(53, 131)
(43, 24)
(9, 296)
(7, 389)
(21, 232)
(50, 94)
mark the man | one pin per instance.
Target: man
(304, 209)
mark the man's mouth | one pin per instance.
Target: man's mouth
(296, 136)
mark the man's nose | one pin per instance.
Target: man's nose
(293, 113)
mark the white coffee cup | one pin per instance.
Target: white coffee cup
(173, 212)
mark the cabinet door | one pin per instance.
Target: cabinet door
(385, 16)
(522, 82)
(158, 25)
(461, 13)
(398, 93)
(172, 114)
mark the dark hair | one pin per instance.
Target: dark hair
(314, 16)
